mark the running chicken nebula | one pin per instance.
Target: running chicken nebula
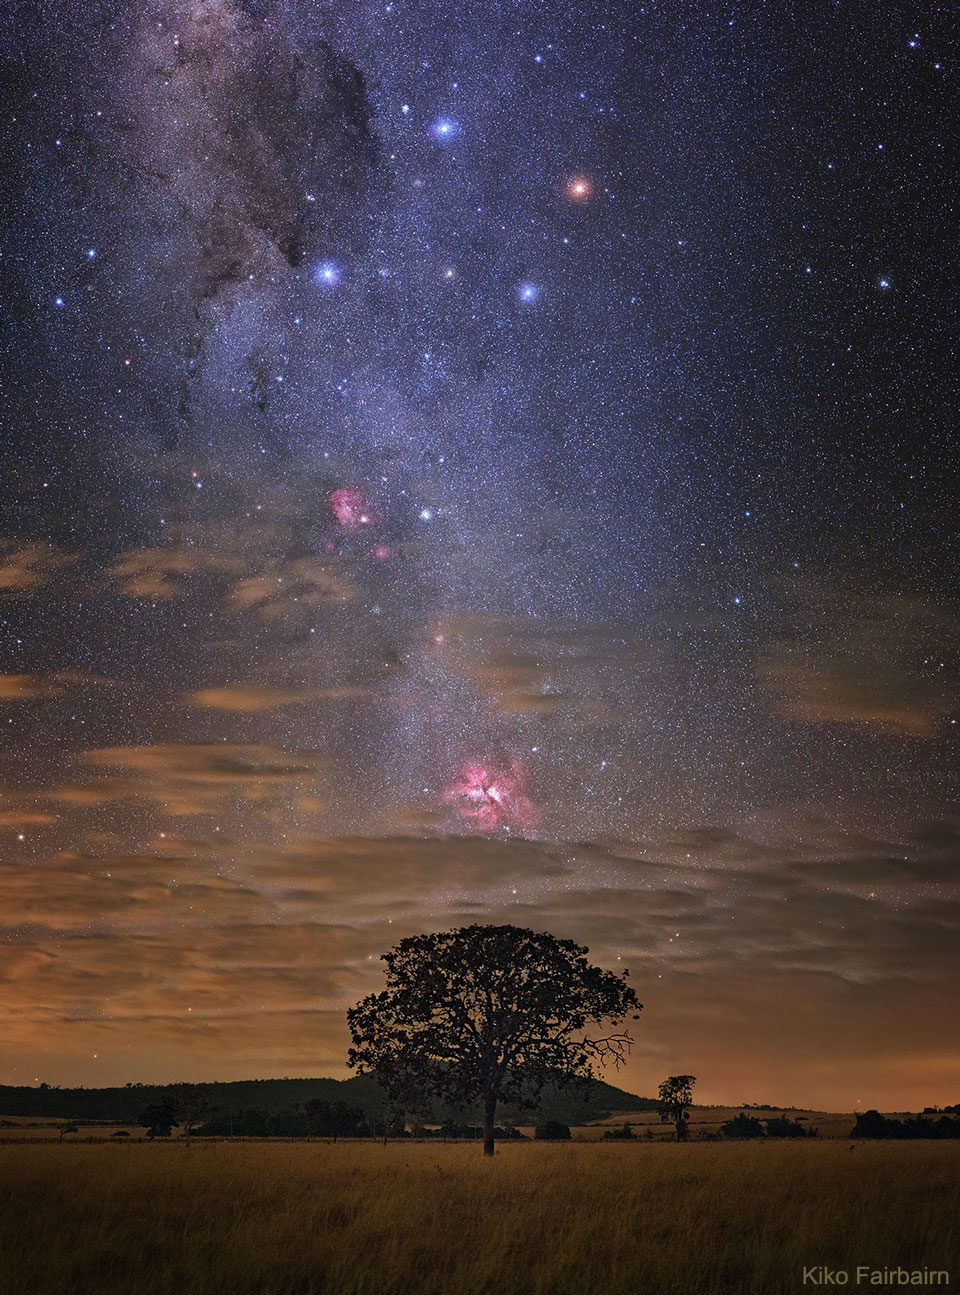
(348, 508)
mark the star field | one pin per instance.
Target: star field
(479, 462)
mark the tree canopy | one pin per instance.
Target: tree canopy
(676, 1094)
(742, 1126)
(489, 1013)
(159, 1120)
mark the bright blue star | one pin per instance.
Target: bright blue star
(327, 274)
(445, 129)
(528, 292)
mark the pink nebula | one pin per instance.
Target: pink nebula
(348, 508)
(491, 797)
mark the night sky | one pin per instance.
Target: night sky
(480, 461)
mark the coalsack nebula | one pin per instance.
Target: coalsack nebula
(237, 147)
(489, 797)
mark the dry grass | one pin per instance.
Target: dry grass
(420, 1219)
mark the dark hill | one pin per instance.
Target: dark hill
(124, 1105)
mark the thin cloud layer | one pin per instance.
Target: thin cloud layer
(27, 567)
(892, 664)
(733, 951)
(197, 778)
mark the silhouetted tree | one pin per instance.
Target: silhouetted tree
(490, 1013)
(871, 1124)
(190, 1106)
(781, 1127)
(742, 1126)
(552, 1131)
(159, 1120)
(333, 1119)
(676, 1095)
(67, 1128)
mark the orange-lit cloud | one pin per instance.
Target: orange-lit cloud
(251, 697)
(259, 951)
(196, 778)
(890, 664)
(21, 687)
(160, 573)
(26, 567)
(299, 584)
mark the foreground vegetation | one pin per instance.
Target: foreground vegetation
(422, 1219)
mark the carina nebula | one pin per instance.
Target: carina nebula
(489, 797)
(485, 462)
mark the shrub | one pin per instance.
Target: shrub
(552, 1131)
(781, 1127)
(623, 1134)
(742, 1126)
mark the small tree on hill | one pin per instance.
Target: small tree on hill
(676, 1095)
(488, 1013)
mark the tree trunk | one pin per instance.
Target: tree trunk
(489, 1110)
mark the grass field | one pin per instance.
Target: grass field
(418, 1219)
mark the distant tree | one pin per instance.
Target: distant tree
(488, 1013)
(121, 1133)
(67, 1128)
(333, 1120)
(871, 1124)
(676, 1095)
(190, 1106)
(159, 1120)
(552, 1131)
(742, 1126)
(781, 1127)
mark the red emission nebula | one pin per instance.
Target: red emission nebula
(490, 797)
